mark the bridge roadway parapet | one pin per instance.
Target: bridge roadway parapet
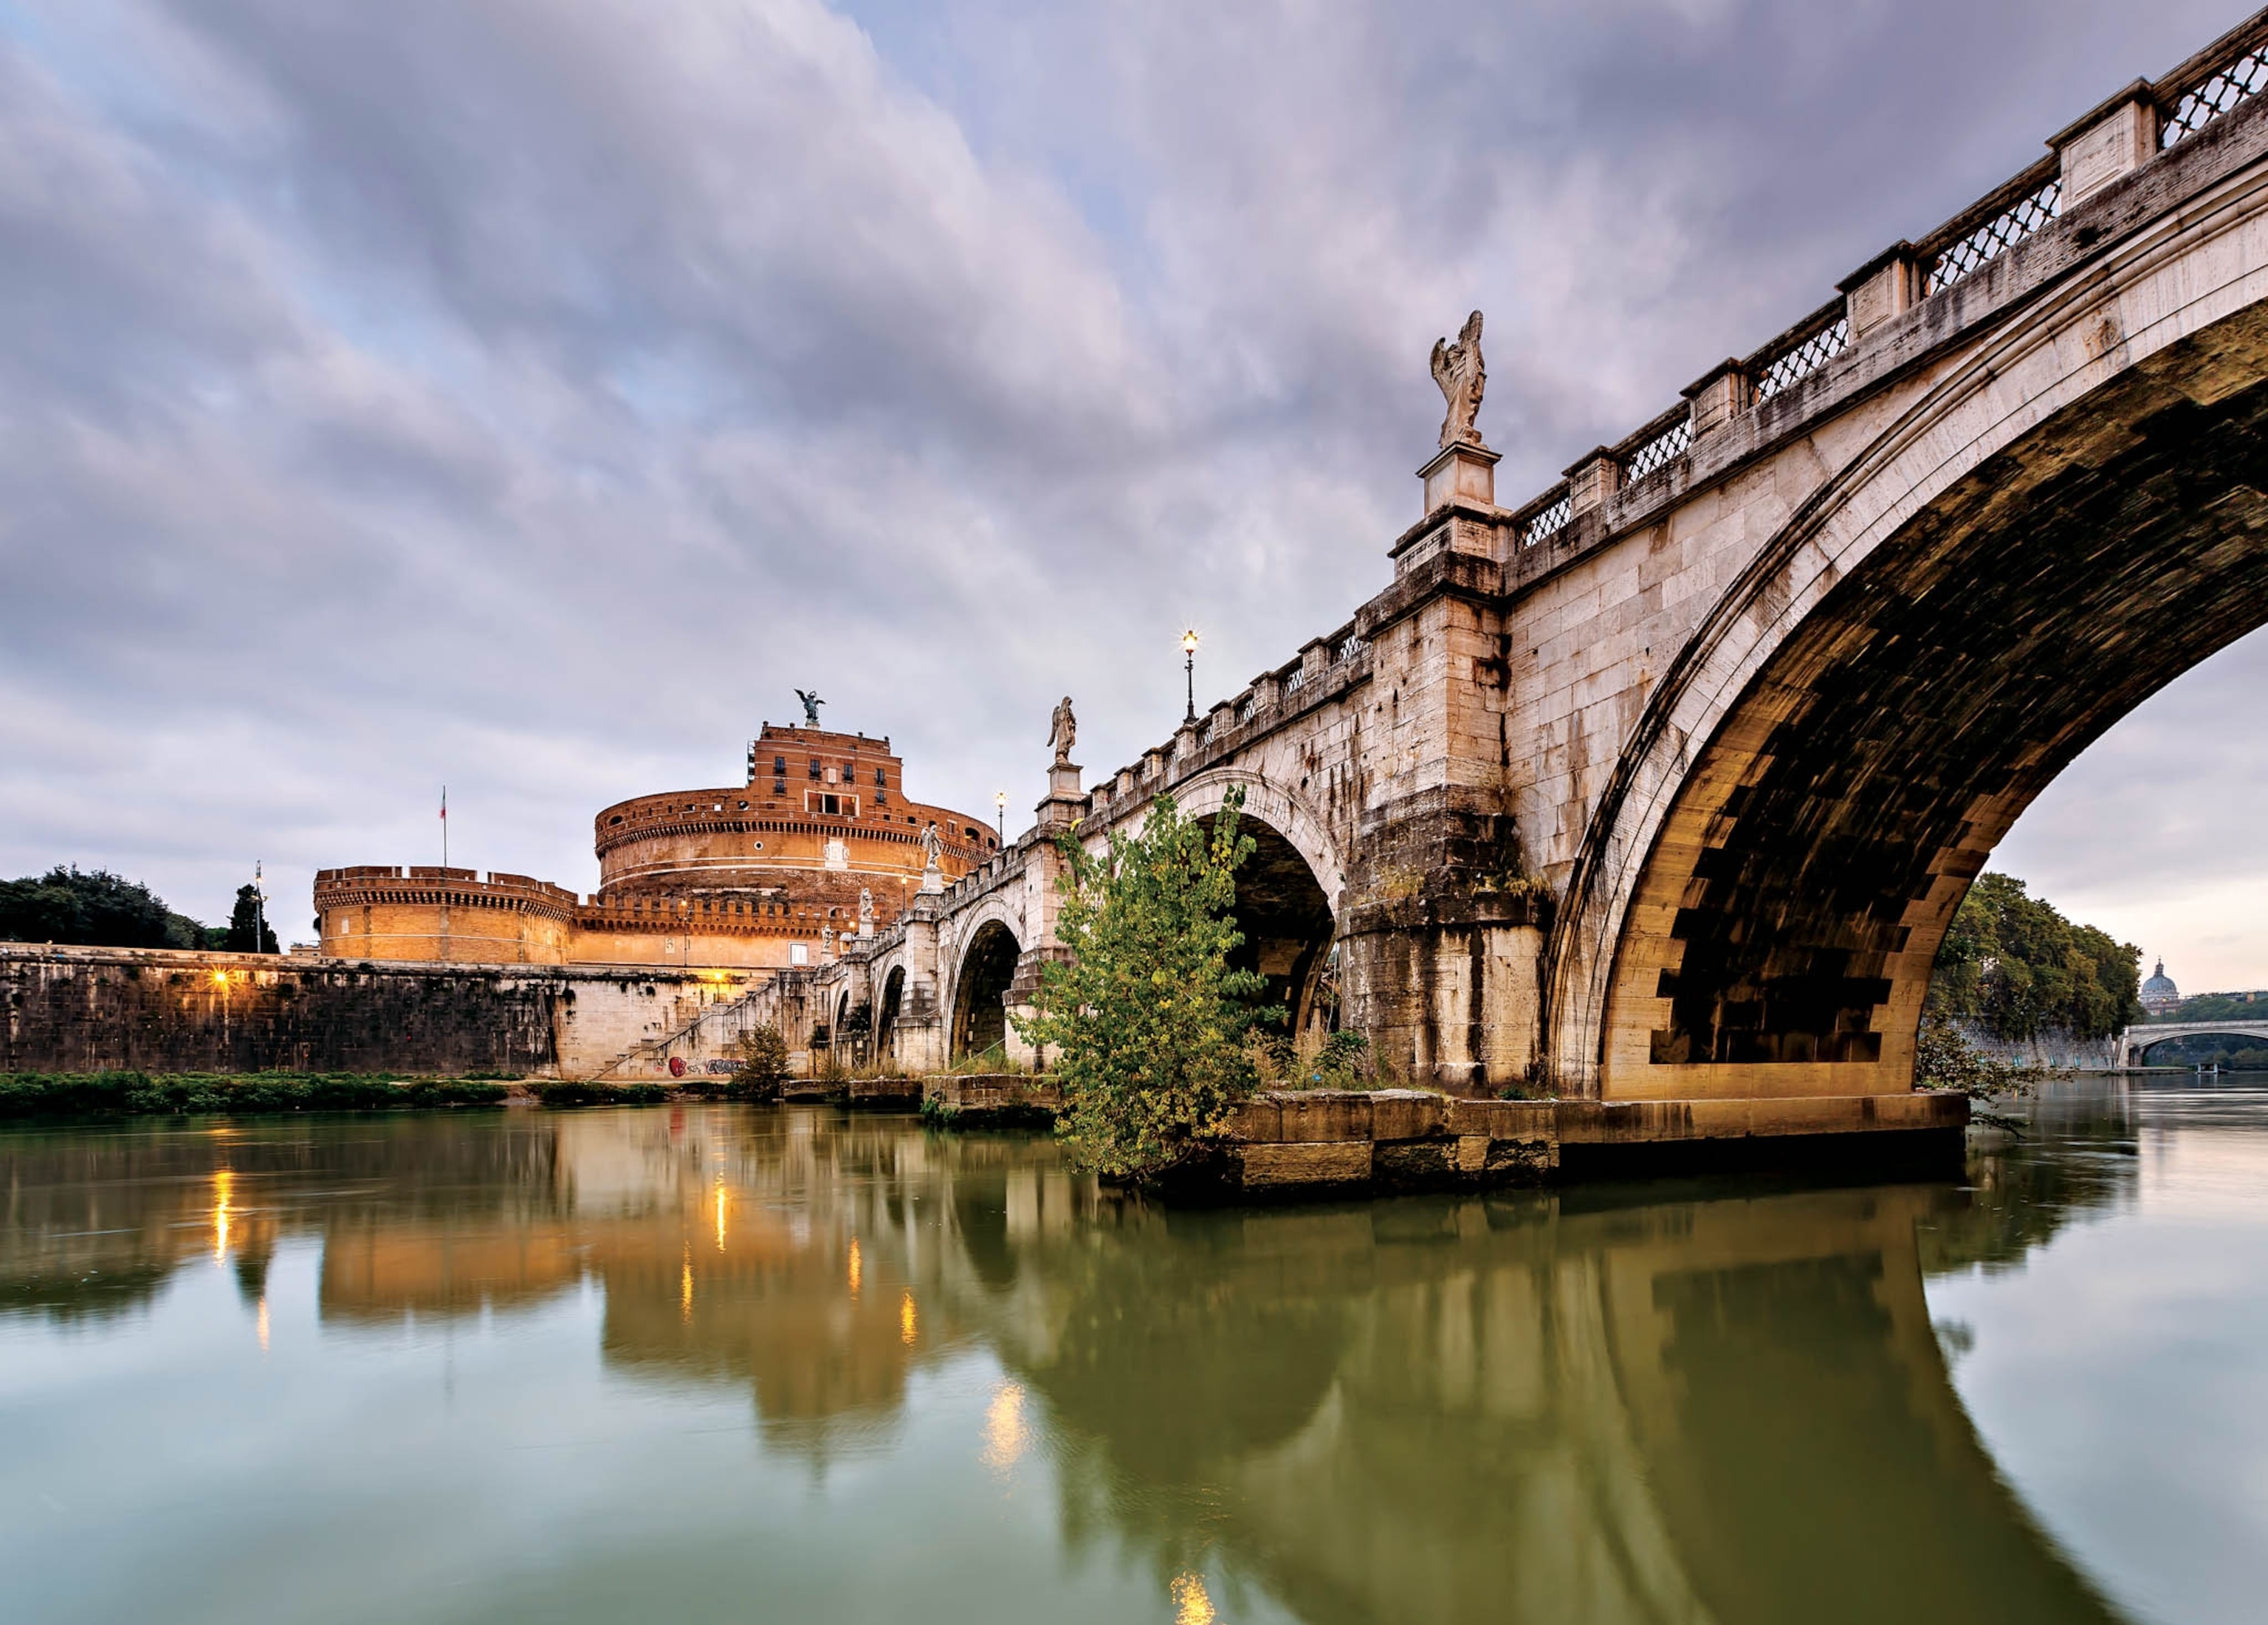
(1664, 783)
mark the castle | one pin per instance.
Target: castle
(820, 844)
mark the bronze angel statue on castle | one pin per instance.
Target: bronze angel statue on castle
(1458, 369)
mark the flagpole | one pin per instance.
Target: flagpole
(444, 826)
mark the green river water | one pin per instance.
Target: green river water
(746, 1363)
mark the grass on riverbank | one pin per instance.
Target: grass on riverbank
(144, 1094)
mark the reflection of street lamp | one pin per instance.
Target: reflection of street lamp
(1000, 806)
(1189, 670)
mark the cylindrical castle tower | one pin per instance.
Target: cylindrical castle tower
(754, 875)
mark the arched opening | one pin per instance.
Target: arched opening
(980, 1016)
(1780, 935)
(885, 1015)
(1286, 922)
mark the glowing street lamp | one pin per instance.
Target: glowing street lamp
(1189, 670)
(1000, 811)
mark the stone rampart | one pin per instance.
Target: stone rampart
(79, 1010)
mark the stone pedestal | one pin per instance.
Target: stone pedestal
(1064, 804)
(1465, 471)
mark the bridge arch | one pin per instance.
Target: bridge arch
(2136, 1043)
(986, 965)
(1278, 808)
(887, 1008)
(1287, 891)
(2040, 532)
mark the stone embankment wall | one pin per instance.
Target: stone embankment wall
(1310, 1142)
(80, 1009)
(2060, 1049)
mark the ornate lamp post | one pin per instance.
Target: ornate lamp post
(1190, 671)
(1000, 810)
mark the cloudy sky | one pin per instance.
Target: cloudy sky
(528, 394)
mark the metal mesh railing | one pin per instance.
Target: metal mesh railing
(1297, 680)
(2225, 88)
(1549, 522)
(1347, 648)
(1659, 452)
(1798, 361)
(1982, 244)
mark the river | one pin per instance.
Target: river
(748, 1364)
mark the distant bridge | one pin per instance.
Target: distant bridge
(2136, 1043)
(1664, 784)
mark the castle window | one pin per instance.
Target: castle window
(814, 767)
(798, 953)
(881, 779)
(615, 819)
(743, 806)
(779, 767)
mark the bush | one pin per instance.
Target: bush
(1147, 1024)
(1945, 1063)
(762, 1055)
(1328, 1060)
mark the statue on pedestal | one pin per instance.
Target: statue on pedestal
(1063, 733)
(865, 912)
(812, 701)
(1459, 371)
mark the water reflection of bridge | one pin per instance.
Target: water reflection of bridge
(1729, 1407)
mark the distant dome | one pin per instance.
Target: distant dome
(2158, 989)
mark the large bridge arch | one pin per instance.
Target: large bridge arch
(2057, 521)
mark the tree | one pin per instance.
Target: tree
(2012, 966)
(1145, 1022)
(96, 909)
(762, 1055)
(247, 931)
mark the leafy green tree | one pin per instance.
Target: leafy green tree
(1146, 1023)
(2012, 966)
(247, 931)
(95, 909)
(761, 1054)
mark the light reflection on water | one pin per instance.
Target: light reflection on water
(745, 1364)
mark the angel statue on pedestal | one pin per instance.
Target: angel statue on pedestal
(1063, 733)
(1458, 369)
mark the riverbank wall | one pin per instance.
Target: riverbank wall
(2058, 1049)
(1323, 1143)
(166, 1011)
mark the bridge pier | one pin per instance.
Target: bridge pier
(1440, 937)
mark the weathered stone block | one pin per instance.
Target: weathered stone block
(1405, 1115)
(1325, 1114)
(1268, 1167)
(1257, 1123)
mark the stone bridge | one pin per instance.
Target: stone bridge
(2136, 1043)
(1665, 782)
